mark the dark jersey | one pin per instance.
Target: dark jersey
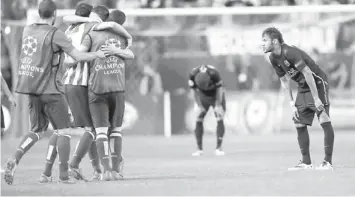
(214, 83)
(291, 61)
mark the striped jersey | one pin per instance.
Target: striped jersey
(77, 74)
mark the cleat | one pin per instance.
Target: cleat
(116, 176)
(219, 152)
(106, 176)
(325, 165)
(10, 171)
(45, 179)
(70, 180)
(301, 166)
(197, 153)
(96, 176)
(77, 174)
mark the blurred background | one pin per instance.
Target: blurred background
(168, 45)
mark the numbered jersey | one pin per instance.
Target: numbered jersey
(291, 62)
(209, 85)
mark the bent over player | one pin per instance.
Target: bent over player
(42, 42)
(291, 62)
(206, 84)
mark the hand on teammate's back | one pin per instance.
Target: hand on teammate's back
(109, 50)
(319, 105)
(101, 54)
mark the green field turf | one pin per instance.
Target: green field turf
(253, 165)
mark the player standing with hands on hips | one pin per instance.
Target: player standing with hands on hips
(291, 62)
(206, 83)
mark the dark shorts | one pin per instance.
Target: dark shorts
(107, 110)
(305, 104)
(45, 108)
(208, 102)
(78, 101)
(2, 119)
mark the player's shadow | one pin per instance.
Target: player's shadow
(161, 177)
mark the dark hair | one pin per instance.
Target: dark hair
(46, 9)
(83, 9)
(102, 11)
(117, 16)
(273, 33)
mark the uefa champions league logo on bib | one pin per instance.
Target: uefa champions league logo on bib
(29, 45)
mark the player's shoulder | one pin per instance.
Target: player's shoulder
(290, 50)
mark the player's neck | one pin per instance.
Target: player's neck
(277, 51)
(45, 21)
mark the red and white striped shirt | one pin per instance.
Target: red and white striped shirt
(77, 74)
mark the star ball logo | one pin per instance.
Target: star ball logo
(29, 45)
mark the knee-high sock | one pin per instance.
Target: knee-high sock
(103, 147)
(26, 144)
(82, 148)
(63, 148)
(94, 157)
(220, 133)
(51, 154)
(116, 149)
(303, 141)
(199, 134)
(328, 140)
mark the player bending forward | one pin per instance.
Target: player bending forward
(312, 97)
(206, 84)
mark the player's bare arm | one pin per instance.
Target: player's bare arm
(116, 28)
(308, 75)
(285, 83)
(73, 19)
(86, 56)
(7, 92)
(123, 53)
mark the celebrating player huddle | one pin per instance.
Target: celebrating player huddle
(94, 97)
(92, 52)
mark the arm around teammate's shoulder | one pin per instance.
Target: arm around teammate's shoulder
(123, 53)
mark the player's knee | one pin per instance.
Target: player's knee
(300, 125)
(324, 117)
(116, 132)
(91, 131)
(40, 134)
(64, 132)
(101, 132)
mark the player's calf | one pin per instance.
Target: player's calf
(63, 147)
(326, 124)
(115, 139)
(103, 147)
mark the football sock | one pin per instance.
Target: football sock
(82, 148)
(94, 157)
(63, 148)
(103, 148)
(27, 142)
(199, 134)
(220, 133)
(303, 141)
(328, 140)
(51, 154)
(116, 149)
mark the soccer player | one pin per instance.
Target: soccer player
(106, 94)
(206, 84)
(8, 94)
(291, 62)
(42, 42)
(76, 87)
